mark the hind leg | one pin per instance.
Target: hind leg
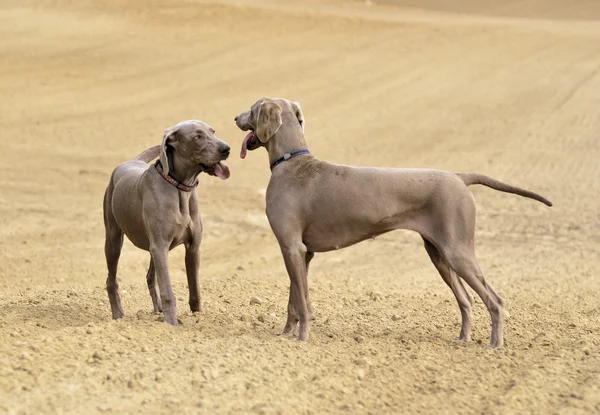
(452, 230)
(192, 266)
(463, 297)
(463, 262)
(112, 251)
(153, 288)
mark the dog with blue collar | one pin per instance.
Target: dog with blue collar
(316, 206)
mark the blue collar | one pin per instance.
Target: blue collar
(288, 156)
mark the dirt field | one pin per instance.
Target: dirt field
(510, 90)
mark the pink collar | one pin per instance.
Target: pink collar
(173, 181)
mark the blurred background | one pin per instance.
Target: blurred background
(504, 88)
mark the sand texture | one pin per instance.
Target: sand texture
(508, 89)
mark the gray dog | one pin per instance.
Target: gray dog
(315, 206)
(157, 208)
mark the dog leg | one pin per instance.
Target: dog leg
(463, 262)
(292, 317)
(464, 299)
(160, 258)
(154, 294)
(309, 256)
(294, 256)
(112, 251)
(192, 266)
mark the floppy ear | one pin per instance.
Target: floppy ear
(164, 161)
(268, 121)
(299, 115)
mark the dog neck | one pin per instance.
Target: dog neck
(173, 181)
(183, 170)
(289, 139)
(288, 156)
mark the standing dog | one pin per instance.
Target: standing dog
(315, 206)
(157, 208)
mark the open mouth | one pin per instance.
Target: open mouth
(250, 143)
(220, 169)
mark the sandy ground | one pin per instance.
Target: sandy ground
(509, 90)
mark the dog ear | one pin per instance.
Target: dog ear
(268, 121)
(167, 139)
(298, 111)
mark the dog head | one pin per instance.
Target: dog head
(265, 119)
(196, 143)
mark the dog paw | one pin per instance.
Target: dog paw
(118, 314)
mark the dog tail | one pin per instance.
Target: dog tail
(475, 178)
(149, 154)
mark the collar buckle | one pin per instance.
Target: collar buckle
(288, 156)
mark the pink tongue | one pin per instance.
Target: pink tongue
(222, 171)
(245, 144)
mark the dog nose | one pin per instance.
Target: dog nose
(225, 150)
(236, 117)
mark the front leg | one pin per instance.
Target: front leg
(294, 255)
(159, 253)
(192, 267)
(308, 258)
(153, 289)
(292, 317)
